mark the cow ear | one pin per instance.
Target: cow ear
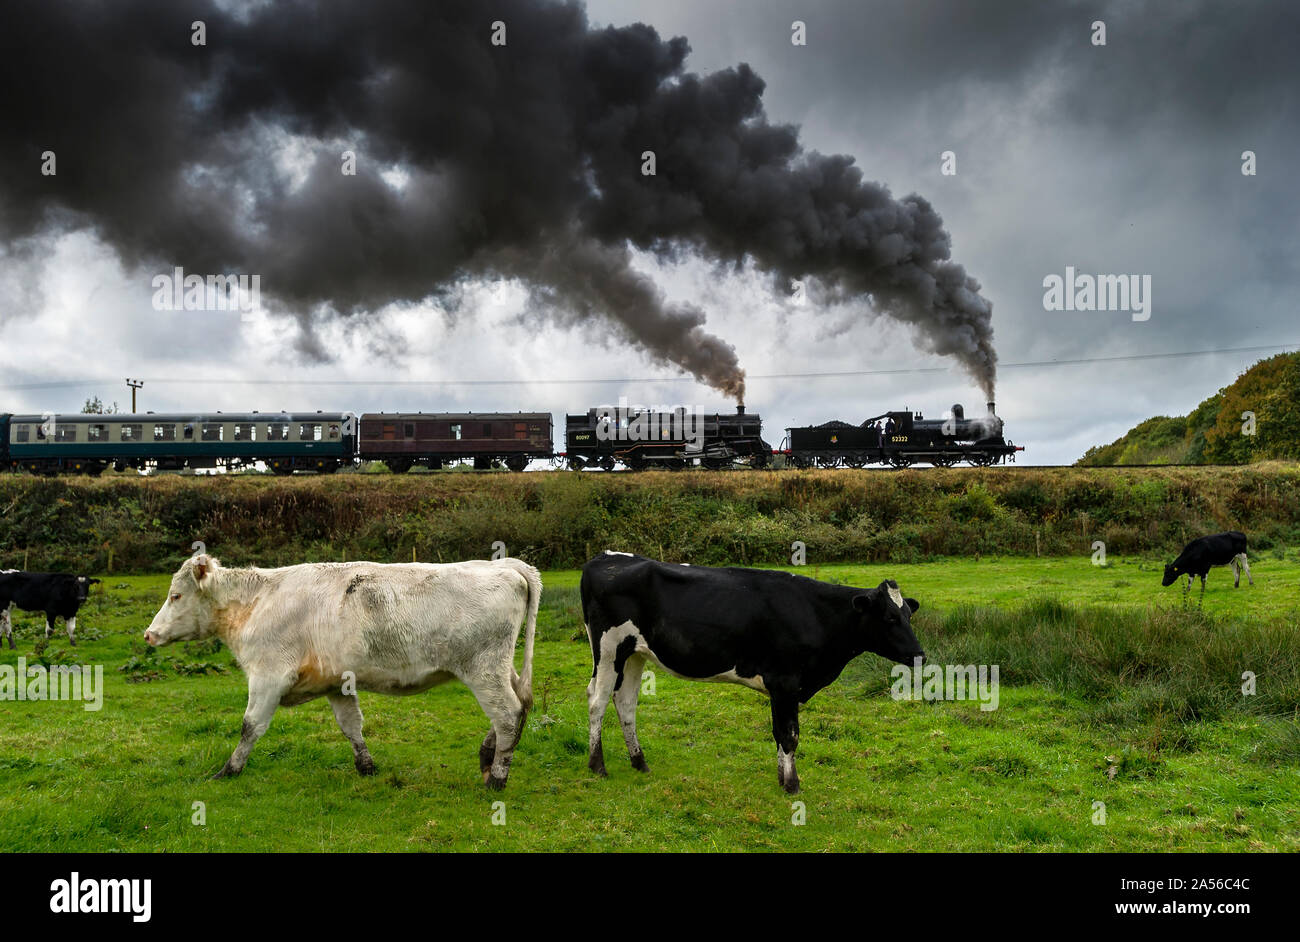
(913, 604)
(202, 570)
(862, 603)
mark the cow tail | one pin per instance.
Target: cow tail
(523, 684)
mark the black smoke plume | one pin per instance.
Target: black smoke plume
(517, 161)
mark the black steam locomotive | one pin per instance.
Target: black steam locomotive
(643, 438)
(900, 439)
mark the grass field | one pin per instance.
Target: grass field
(1112, 691)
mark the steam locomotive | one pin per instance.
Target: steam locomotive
(603, 437)
(900, 439)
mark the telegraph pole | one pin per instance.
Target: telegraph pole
(134, 384)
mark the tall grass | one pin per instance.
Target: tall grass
(1131, 666)
(560, 520)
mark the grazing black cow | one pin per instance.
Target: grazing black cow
(57, 594)
(780, 634)
(1220, 549)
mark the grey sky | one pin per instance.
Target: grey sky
(1117, 159)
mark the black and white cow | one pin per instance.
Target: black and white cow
(1198, 556)
(57, 594)
(783, 635)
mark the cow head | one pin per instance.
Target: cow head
(187, 615)
(1171, 574)
(83, 585)
(886, 622)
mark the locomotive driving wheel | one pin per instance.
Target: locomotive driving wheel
(607, 463)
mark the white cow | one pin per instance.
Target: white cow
(329, 629)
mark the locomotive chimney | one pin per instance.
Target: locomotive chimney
(740, 408)
(991, 412)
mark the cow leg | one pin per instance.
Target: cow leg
(7, 623)
(1201, 599)
(49, 625)
(496, 695)
(264, 695)
(785, 730)
(625, 697)
(71, 625)
(347, 710)
(599, 691)
(487, 752)
(1246, 566)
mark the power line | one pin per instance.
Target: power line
(228, 381)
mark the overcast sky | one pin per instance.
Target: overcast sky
(1117, 159)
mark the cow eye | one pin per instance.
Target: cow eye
(176, 597)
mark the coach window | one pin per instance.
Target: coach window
(334, 431)
(455, 432)
(408, 429)
(131, 433)
(65, 433)
(245, 432)
(164, 433)
(21, 432)
(277, 432)
(189, 432)
(521, 431)
(212, 432)
(487, 429)
(309, 433)
(96, 433)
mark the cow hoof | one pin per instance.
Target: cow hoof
(495, 784)
(485, 756)
(791, 785)
(638, 762)
(366, 768)
(226, 771)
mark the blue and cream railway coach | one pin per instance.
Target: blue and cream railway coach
(87, 444)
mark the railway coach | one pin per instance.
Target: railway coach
(402, 440)
(89, 443)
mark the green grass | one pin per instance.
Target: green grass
(1112, 691)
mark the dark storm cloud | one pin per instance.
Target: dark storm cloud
(519, 162)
